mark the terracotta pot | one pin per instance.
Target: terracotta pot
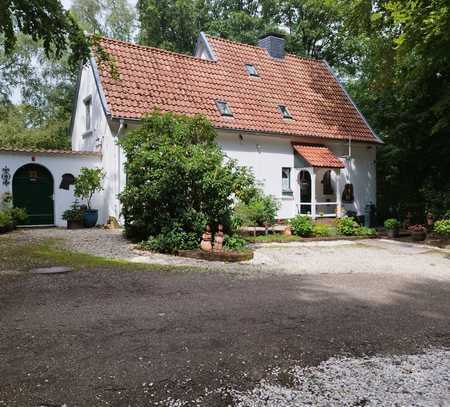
(418, 236)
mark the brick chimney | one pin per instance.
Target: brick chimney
(273, 43)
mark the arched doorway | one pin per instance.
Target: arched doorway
(305, 191)
(32, 189)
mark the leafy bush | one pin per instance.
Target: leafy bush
(75, 212)
(234, 242)
(6, 221)
(261, 210)
(302, 225)
(321, 230)
(346, 226)
(442, 227)
(178, 179)
(170, 241)
(88, 183)
(364, 231)
(391, 223)
(18, 215)
(11, 217)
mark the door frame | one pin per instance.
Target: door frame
(52, 191)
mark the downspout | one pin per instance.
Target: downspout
(119, 164)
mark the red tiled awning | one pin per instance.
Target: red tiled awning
(318, 156)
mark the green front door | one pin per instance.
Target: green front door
(33, 191)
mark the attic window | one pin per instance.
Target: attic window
(223, 107)
(284, 111)
(251, 70)
(87, 108)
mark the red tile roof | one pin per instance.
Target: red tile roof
(153, 78)
(50, 152)
(318, 156)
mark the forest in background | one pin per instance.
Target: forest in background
(392, 56)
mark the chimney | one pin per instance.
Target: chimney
(273, 43)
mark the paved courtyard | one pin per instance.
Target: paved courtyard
(228, 334)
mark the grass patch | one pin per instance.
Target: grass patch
(273, 238)
(24, 255)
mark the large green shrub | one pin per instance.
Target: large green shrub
(302, 225)
(178, 178)
(261, 210)
(442, 227)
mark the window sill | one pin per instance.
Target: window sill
(87, 134)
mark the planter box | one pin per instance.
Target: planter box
(75, 224)
(418, 236)
(393, 233)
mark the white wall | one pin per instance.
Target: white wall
(266, 155)
(101, 137)
(57, 164)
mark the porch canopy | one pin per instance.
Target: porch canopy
(319, 161)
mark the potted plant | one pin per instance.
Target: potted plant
(418, 232)
(86, 185)
(74, 216)
(393, 227)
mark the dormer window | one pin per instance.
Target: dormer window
(284, 111)
(251, 70)
(223, 107)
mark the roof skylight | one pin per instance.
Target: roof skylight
(284, 111)
(223, 107)
(251, 70)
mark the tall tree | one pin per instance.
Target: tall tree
(171, 24)
(113, 18)
(404, 88)
(44, 21)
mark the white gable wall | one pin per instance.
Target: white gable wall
(101, 137)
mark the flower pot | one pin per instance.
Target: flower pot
(75, 224)
(393, 233)
(418, 236)
(90, 217)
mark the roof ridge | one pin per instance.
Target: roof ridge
(148, 47)
(260, 48)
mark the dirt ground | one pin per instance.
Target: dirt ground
(111, 337)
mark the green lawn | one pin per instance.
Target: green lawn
(24, 255)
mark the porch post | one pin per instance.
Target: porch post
(313, 193)
(338, 194)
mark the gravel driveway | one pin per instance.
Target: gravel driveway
(331, 257)
(335, 324)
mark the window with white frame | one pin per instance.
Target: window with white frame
(88, 112)
(286, 180)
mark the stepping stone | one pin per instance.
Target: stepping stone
(51, 270)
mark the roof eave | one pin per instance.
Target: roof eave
(377, 138)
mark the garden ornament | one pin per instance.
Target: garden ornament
(206, 244)
(218, 239)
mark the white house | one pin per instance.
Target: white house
(287, 118)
